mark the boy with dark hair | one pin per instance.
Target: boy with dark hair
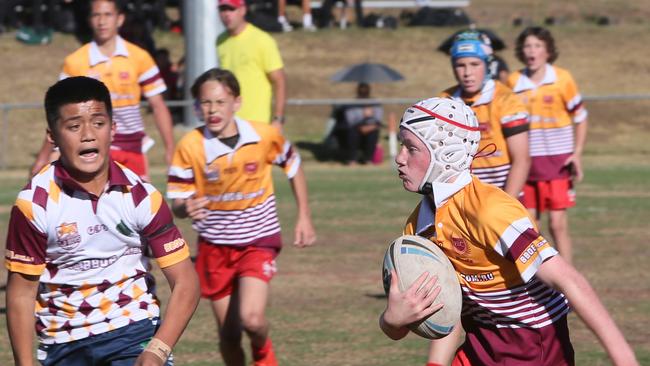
(221, 178)
(516, 289)
(129, 72)
(84, 228)
(558, 132)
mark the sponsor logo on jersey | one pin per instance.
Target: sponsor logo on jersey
(236, 196)
(123, 229)
(173, 245)
(11, 255)
(548, 99)
(251, 168)
(124, 75)
(68, 236)
(479, 277)
(95, 229)
(230, 170)
(528, 253)
(484, 126)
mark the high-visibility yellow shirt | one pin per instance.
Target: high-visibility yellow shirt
(251, 56)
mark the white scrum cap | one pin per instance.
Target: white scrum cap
(450, 131)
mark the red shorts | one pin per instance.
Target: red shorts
(135, 161)
(219, 267)
(555, 194)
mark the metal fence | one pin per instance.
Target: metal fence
(6, 109)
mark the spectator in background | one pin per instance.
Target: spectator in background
(558, 132)
(307, 22)
(129, 72)
(261, 75)
(361, 128)
(170, 74)
(38, 32)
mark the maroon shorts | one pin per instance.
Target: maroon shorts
(220, 266)
(135, 161)
(547, 195)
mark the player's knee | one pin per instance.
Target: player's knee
(254, 322)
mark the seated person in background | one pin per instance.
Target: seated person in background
(361, 129)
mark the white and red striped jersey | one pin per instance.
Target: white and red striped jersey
(237, 181)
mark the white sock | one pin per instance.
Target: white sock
(282, 19)
(306, 20)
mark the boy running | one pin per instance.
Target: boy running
(555, 106)
(79, 239)
(502, 117)
(221, 178)
(516, 289)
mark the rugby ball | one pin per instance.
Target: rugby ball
(410, 256)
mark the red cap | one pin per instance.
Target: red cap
(232, 3)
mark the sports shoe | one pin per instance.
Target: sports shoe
(309, 28)
(268, 360)
(286, 27)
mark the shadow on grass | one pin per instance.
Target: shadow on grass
(377, 296)
(321, 151)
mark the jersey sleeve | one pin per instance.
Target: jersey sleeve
(572, 99)
(150, 80)
(283, 154)
(272, 60)
(181, 181)
(156, 226)
(511, 234)
(26, 238)
(514, 116)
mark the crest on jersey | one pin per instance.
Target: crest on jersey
(459, 244)
(212, 173)
(67, 236)
(548, 99)
(124, 75)
(251, 168)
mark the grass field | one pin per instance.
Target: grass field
(326, 299)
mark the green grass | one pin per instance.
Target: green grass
(325, 300)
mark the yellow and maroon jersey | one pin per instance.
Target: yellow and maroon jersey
(90, 252)
(554, 105)
(496, 251)
(129, 73)
(500, 115)
(238, 182)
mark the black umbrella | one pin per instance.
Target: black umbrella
(497, 42)
(367, 73)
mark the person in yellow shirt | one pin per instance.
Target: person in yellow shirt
(516, 289)
(221, 178)
(253, 56)
(503, 119)
(558, 131)
(129, 72)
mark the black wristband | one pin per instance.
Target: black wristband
(279, 119)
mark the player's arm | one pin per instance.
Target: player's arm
(576, 157)
(304, 231)
(519, 163)
(278, 80)
(443, 350)
(191, 207)
(559, 274)
(20, 302)
(43, 157)
(410, 306)
(184, 298)
(164, 124)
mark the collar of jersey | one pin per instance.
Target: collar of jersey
(441, 194)
(215, 148)
(116, 176)
(484, 97)
(524, 82)
(96, 56)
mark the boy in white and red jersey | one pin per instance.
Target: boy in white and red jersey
(502, 117)
(516, 289)
(78, 244)
(221, 178)
(558, 132)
